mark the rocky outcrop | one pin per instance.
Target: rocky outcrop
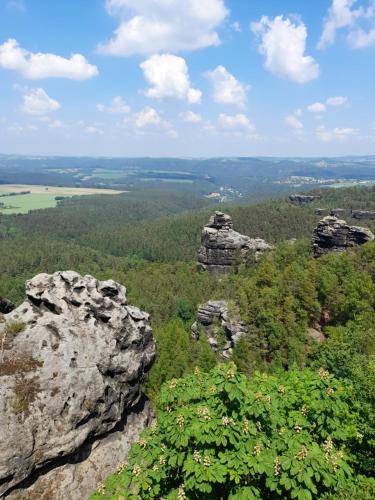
(303, 199)
(222, 329)
(321, 211)
(335, 235)
(6, 306)
(221, 246)
(72, 360)
(363, 214)
(340, 212)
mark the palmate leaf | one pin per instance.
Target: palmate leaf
(260, 443)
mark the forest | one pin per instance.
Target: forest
(307, 409)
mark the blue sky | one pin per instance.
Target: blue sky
(187, 78)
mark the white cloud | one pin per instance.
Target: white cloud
(118, 106)
(93, 130)
(238, 121)
(38, 102)
(36, 66)
(226, 88)
(168, 76)
(337, 134)
(191, 117)
(146, 117)
(149, 26)
(283, 43)
(359, 39)
(348, 14)
(293, 122)
(337, 102)
(317, 107)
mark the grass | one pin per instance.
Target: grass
(40, 196)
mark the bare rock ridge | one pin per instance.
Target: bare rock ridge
(222, 329)
(335, 235)
(73, 357)
(221, 245)
(303, 199)
(363, 214)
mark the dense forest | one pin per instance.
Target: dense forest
(148, 241)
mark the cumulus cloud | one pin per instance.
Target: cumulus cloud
(348, 14)
(191, 117)
(38, 102)
(293, 122)
(149, 26)
(283, 43)
(36, 66)
(146, 117)
(337, 134)
(168, 76)
(337, 101)
(117, 106)
(317, 107)
(226, 88)
(238, 121)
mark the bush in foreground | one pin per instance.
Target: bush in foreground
(220, 435)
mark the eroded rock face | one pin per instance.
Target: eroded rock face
(363, 214)
(303, 199)
(221, 245)
(222, 329)
(70, 377)
(335, 235)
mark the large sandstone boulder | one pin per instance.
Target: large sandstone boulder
(335, 235)
(73, 357)
(221, 245)
(223, 330)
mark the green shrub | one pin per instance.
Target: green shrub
(220, 435)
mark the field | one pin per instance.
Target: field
(40, 196)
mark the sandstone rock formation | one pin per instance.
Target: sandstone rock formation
(221, 245)
(335, 235)
(321, 211)
(302, 199)
(72, 360)
(363, 214)
(222, 329)
(340, 212)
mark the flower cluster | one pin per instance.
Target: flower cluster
(302, 454)
(197, 456)
(204, 412)
(277, 466)
(323, 374)
(226, 421)
(180, 420)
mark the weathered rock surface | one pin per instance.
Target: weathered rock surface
(70, 398)
(221, 245)
(363, 214)
(340, 212)
(6, 306)
(222, 329)
(335, 235)
(302, 199)
(321, 211)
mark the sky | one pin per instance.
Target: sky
(189, 78)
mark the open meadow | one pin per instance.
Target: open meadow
(39, 197)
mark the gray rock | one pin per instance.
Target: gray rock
(303, 199)
(363, 214)
(322, 211)
(335, 235)
(69, 381)
(221, 245)
(340, 212)
(222, 330)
